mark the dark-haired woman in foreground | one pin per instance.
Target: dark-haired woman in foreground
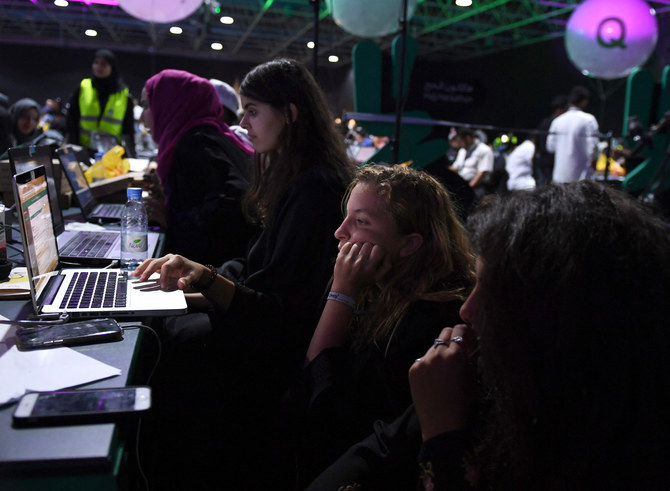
(572, 314)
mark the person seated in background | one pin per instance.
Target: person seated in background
(102, 103)
(203, 167)
(572, 320)
(52, 117)
(265, 305)
(5, 124)
(473, 161)
(403, 270)
(230, 103)
(24, 115)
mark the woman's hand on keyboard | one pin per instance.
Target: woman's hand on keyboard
(171, 268)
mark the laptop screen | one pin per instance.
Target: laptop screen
(24, 158)
(76, 178)
(39, 241)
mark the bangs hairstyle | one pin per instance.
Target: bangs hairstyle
(441, 270)
(312, 140)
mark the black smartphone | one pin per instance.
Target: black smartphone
(83, 406)
(69, 334)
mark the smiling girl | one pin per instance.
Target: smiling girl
(403, 270)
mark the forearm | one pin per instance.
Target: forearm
(332, 329)
(218, 292)
(474, 182)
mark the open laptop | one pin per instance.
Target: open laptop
(90, 208)
(78, 246)
(79, 292)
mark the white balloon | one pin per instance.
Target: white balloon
(369, 18)
(160, 11)
(607, 39)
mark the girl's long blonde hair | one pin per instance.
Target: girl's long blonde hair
(441, 270)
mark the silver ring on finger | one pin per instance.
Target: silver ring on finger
(457, 339)
(439, 342)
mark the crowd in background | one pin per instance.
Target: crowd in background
(351, 325)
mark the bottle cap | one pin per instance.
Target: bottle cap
(134, 193)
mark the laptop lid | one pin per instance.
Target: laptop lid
(75, 176)
(48, 283)
(22, 159)
(39, 242)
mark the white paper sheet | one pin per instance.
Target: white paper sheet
(45, 369)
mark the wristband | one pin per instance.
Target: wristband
(342, 298)
(213, 274)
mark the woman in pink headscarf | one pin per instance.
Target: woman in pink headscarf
(203, 168)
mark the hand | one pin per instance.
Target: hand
(172, 268)
(443, 383)
(359, 265)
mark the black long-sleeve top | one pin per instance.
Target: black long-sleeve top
(342, 392)
(207, 182)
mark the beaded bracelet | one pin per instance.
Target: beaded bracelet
(213, 274)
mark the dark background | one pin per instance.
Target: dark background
(508, 90)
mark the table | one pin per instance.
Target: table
(85, 457)
(74, 457)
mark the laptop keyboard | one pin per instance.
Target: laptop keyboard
(96, 289)
(108, 211)
(89, 244)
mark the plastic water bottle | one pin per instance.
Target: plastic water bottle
(134, 228)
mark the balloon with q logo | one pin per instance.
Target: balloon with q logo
(160, 11)
(607, 39)
(369, 18)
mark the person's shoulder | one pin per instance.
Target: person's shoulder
(315, 184)
(318, 177)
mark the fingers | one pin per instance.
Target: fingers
(148, 267)
(460, 339)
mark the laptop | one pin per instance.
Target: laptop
(104, 292)
(90, 208)
(77, 246)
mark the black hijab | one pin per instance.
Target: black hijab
(16, 111)
(110, 84)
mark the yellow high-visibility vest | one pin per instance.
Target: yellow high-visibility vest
(89, 112)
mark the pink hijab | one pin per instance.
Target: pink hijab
(180, 101)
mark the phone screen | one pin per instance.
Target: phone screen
(84, 402)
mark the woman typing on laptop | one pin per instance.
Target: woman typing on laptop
(267, 304)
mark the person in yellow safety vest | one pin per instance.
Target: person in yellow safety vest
(102, 103)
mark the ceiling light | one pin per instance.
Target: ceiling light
(310, 45)
(226, 20)
(176, 30)
(216, 46)
(463, 3)
(91, 32)
(60, 3)
(333, 59)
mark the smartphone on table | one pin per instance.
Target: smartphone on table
(83, 406)
(70, 334)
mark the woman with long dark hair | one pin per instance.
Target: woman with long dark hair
(265, 306)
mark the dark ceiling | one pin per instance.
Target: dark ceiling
(264, 29)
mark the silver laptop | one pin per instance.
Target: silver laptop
(90, 208)
(78, 246)
(79, 292)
